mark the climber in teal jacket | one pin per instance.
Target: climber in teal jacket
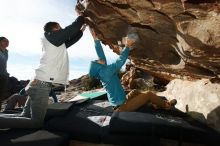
(108, 74)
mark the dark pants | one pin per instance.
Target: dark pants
(14, 100)
(3, 88)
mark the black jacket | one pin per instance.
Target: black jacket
(69, 35)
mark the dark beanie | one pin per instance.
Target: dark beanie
(2, 38)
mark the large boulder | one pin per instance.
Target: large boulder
(178, 38)
(201, 96)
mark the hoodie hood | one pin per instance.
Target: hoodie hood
(94, 69)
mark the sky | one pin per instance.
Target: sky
(22, 23)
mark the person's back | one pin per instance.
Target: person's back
(108, 74)
(114, 89)
(53, 64)
(109, 79)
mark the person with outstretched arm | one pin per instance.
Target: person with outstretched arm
(53, 68)
(108, 75)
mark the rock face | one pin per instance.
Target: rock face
(201, 96)
(178, 38)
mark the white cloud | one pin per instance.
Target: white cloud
(76, 74)
(21, 71)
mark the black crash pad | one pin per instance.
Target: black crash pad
(53, 110)
(128, 139)
(28, 137)
(84, 121)
(58, 109)
(160, 125)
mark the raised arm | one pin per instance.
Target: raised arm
(74, 39)
(57, 38)
(99, 51)
(115, 67)
(98, 47)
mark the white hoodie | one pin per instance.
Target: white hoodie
(54, 64)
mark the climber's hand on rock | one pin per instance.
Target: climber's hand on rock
(129, 43)
(131, 40)
(78, 11)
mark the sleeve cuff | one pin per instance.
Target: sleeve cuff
(81, 19)
(127, 48)
(97, 41)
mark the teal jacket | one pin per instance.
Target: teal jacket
(108, 74)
